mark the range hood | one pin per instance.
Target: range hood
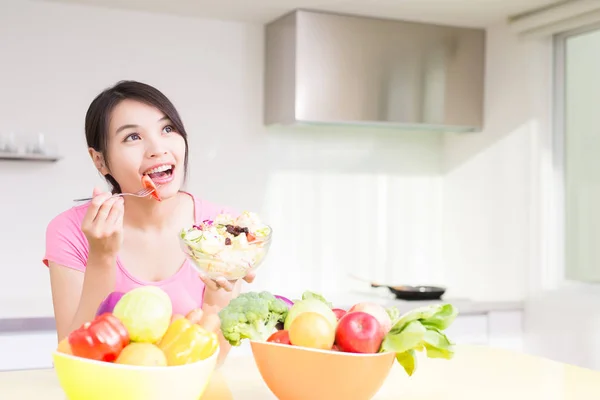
(325, 68)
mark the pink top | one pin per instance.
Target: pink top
(67, 245)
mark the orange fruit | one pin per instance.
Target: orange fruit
(313, 330)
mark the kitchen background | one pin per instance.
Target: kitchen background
(469, 211)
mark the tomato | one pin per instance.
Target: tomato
(311, 329)
(149, 184)
(281, 336)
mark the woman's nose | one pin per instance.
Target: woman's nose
(156, 150)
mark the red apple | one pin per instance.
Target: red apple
(378, 312)
(339, 313)
(358, 332)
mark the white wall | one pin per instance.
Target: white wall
(374, 211)
(396, 206)
(492, 180)
(563, 323)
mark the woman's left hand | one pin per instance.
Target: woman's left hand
(222, 283)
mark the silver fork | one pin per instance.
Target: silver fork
(141, 193)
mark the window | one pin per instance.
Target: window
(578, 146)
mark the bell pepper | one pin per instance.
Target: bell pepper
(186, 342)
(101, 339)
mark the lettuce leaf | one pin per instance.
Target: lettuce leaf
(312, 295)
(421, 329)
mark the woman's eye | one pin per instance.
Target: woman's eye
(168, 129)
(133, 136)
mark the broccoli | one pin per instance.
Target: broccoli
(252, 315)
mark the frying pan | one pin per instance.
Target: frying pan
(419, 292)
(411, 293)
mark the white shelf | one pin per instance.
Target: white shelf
(28, 157)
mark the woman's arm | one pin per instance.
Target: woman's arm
(82, 278)
(76, 295)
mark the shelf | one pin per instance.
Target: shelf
(28, 157)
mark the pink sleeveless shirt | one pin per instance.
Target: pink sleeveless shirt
(67, 245)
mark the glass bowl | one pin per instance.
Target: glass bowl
(229, 262)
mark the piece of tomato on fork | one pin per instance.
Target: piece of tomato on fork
(149, 184)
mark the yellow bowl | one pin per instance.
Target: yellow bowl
(299, 373)
(84, 379)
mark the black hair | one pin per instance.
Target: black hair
(98, 114)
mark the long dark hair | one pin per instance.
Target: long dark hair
(98, 116)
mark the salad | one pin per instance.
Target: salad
(226, 246)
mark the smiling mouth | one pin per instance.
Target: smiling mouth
(160, 173)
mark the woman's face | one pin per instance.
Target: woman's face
(143, 141)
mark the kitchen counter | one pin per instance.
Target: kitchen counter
(385, 298)
(36, 313)
(476, 372)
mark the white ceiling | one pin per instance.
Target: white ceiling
(477, 13)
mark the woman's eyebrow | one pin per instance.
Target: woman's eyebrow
(122, 128)
(126, 127)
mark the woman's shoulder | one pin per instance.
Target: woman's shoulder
(68, 220)
(65, 242)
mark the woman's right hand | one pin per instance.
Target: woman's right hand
(103, 224)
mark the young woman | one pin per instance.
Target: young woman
(119, 243)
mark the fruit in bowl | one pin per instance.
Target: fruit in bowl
(227, 247)
(137, 351)
(305, 349)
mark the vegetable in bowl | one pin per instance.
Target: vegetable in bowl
(365, 328)
(227, 247)
(252, 316)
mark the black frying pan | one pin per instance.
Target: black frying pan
(410, 293)
(414, 292)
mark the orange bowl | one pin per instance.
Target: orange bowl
(300, 373)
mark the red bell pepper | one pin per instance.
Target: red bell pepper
(101, 339)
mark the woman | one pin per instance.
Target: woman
(119, 243)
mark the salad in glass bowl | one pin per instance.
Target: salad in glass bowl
(227, 247)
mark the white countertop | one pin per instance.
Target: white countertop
(476, 372)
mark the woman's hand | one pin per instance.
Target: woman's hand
(222, 283)
(103, 224)
(209, 321)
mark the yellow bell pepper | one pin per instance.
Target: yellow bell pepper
(186, 342)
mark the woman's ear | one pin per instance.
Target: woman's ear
(98, 160)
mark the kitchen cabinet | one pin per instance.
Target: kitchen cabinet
(503, 329)
(27, 350)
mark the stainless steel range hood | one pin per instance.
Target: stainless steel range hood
(324, 68)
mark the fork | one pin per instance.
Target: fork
(141, 193)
